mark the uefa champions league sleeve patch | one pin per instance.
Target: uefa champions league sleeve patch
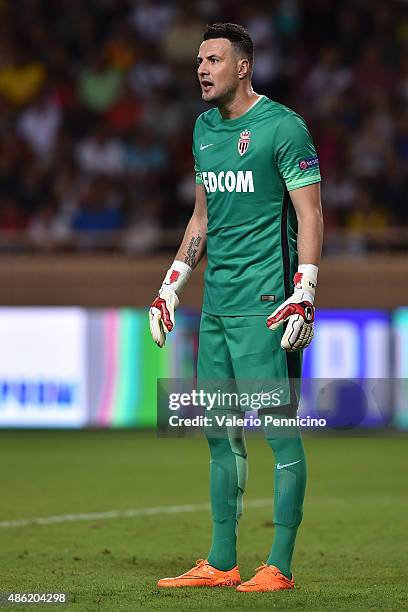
(310, 162)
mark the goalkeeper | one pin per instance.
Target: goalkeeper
(258, 214)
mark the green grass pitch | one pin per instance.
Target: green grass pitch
(351, 552)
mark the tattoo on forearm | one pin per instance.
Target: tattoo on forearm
(190, 256)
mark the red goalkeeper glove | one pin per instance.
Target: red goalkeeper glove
(161, 312)
(297, 311)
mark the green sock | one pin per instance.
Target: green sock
(228, 475)
(290, 484)
(223, 551)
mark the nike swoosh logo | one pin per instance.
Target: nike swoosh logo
(280, 467)
(202, 147)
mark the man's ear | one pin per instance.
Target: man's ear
(243, 68)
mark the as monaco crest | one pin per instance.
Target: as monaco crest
(243, 142)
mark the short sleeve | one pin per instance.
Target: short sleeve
(296, 155)
(198, 179)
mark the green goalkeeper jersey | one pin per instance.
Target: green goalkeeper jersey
(248, 165)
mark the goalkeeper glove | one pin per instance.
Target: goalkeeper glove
(297, 311)
(161, 312)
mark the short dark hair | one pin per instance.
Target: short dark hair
(238, 36)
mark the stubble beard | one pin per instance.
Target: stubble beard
(223, 98)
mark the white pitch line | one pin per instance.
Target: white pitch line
(114, 514)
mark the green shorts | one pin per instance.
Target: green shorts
(244, 350)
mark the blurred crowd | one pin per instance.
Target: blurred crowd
(98, 100)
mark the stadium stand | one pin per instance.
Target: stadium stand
(98, 100)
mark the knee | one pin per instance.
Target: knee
(219, 447)
(286, 444)
(223, 446)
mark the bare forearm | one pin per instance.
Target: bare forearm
(192, 247)
(310, 237)
(306, 201)
(189, 254)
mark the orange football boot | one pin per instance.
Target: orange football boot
(203, 575)
(267, 578)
